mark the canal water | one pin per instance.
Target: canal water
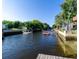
(28, 46)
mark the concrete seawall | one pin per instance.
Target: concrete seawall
(11, 33)
(68, 43)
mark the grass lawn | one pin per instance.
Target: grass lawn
(72, 31)
(14, 29)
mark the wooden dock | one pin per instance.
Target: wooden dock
(43, 56)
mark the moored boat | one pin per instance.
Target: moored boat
(26, 32)
(46, 33)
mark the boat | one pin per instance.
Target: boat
(27, 32)
(46, 33)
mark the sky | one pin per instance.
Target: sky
(27, 10)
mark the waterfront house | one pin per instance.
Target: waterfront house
(74, 22)
(4, 26)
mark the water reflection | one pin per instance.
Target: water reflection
(28, 46)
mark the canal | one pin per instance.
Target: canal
(28, 46)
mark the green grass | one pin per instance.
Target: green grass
(74, 31)
(14, 29)
(62, 30)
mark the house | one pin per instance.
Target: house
(4, 26)
(74, 22)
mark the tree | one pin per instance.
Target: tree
(28, 24)
(59, 20)
(17, 24)
(46, 26)
(69, 10)
(53, 26)
(37, 25)
(9, 24)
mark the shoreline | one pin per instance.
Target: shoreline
(9, 33)
(68, 43)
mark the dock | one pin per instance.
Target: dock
(44, 56)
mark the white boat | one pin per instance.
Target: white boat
(26, 32)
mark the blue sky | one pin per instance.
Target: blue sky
(27, 10)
